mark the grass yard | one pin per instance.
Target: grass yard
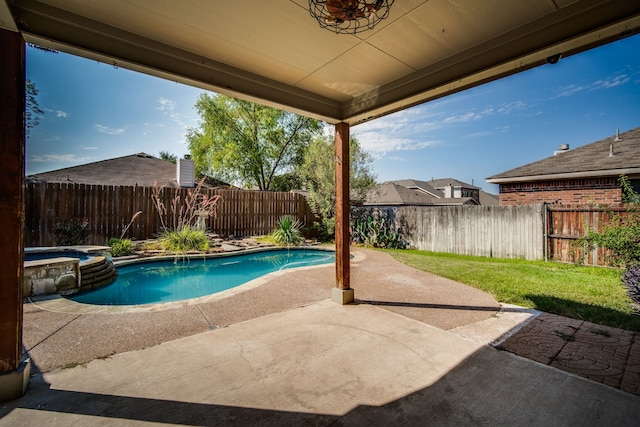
(593, 294)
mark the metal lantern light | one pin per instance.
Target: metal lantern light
(349, 16)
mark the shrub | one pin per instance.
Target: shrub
(184, 239)
(631, 279)
(621, 236)
(287, 231)
(377, 233)
(70, 232)
(184, 209)
(120, 247)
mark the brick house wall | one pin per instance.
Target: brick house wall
(604, 190)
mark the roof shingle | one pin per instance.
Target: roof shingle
(589, 160)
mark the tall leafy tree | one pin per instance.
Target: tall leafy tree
(33, 112)
(317, 173)
(165, 155)
(249, 144)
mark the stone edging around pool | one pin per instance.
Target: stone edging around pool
(60, 304)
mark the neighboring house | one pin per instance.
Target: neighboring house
(440, 192)
(587, 174)
(140, 169)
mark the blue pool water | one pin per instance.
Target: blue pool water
(165, 281)
(36, 256)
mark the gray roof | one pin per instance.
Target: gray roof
(590, 160)
(488, 198)
(421, 185)
(390, 193)
(444, 182)
(134, 170)
(393, 194)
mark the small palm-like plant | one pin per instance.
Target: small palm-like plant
(287, 231)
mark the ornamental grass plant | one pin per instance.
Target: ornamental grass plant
(184, 239)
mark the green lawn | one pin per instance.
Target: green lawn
(588, 293)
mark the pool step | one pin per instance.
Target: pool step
(97, 272)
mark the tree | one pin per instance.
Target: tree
(33, 112)
(165, 155)
(246, 143)
(317, 173)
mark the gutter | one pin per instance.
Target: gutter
(568, 175)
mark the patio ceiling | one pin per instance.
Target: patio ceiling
(274, 52)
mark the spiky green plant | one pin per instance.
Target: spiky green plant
(287, 231)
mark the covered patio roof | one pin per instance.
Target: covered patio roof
(275, 53)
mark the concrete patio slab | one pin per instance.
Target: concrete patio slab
(322, 364)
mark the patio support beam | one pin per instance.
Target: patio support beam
(14, 372)
(342, 293)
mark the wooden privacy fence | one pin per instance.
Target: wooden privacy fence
(491, 231)
(109, 209)
(565, 224)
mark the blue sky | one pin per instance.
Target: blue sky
(95, 111)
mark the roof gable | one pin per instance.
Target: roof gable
(139, 169)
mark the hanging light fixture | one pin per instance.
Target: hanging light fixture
(349, 16)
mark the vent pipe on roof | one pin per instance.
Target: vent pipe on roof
(617, 135)
(561, 149)
(611, 154)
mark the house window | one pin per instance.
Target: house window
(635, 184)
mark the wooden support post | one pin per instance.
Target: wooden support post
(14, 372)
(342, 293)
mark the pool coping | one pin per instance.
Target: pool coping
(59, 303)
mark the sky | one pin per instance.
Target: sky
(94, 111)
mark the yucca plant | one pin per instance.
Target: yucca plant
(287, 231)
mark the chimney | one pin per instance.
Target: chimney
(185, 170)
(448, 191)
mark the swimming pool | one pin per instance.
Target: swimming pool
(180, 279)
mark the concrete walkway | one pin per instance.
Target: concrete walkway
(377, 363)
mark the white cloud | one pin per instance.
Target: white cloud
(569, 90)
(166, 105)
(57, 158)
(63, 114)
(397, 159)
(379, 143)
(414, 128)
(612, 82)
(108, 130)
(89, 148)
